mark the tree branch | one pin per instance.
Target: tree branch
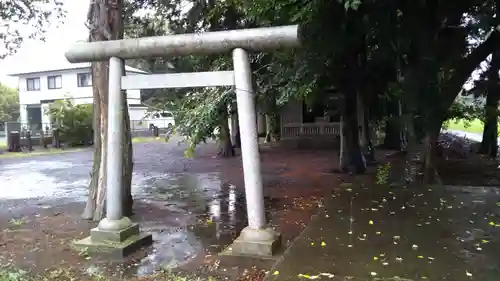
(465, 67)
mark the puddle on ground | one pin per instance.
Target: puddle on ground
(43, 179)
(203, 219)
(173, 248)
(199, 214)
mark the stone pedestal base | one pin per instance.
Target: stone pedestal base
(263, 243)
(114, 243)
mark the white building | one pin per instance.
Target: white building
(38, 88)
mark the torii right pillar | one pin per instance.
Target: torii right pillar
(257, 239)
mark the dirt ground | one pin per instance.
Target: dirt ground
(476, 171)
(38, 237)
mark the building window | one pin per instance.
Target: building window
(54, 82)
(33, 84)
(84, 79)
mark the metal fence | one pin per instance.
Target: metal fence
(36, 130)
(138, 128)
(144, 128)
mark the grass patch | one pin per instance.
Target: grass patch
(46, 151)
(66, 274)
(474, 126)
(146, 139)
(17, 222)
(9, 274)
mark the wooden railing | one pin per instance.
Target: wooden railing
(296, 130)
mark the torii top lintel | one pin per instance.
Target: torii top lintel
(254, 39)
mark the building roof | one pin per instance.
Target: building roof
(62, 67)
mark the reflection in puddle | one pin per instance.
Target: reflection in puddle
(201, 210)
(173, 247)
(215, 215)
(201, 213)
(232, 204)
(215, 209)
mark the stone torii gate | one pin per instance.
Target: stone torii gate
(118, 234)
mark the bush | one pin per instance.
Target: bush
(73, 121)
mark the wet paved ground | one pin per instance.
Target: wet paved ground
(193, 207)
(66, 176)
(381, 233)
(58, 183)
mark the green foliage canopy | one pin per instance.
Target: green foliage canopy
(388, 51)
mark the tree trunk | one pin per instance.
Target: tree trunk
(226, 146)
(238, 138)
(94, 210)
(128, 165)
(489, 144)
(360, 113)
(95, 202)
(407, 174)
(343, 156)
(270, 128)
(392, 138)
(271, 116)
(236, 127)
(429, 168)
(351, 88)
(368, 134)
(356, 158)
(106, 23)
(486, 141)
(493, 153)
(261, 125)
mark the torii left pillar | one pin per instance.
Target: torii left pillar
(116, 234)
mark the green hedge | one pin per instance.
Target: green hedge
(73, 121)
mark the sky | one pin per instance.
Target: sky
(34, 54)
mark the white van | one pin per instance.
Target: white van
(161, 120)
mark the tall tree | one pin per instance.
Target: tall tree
(105, 22)
(9, 104)
(368, 49)
(342, 39)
